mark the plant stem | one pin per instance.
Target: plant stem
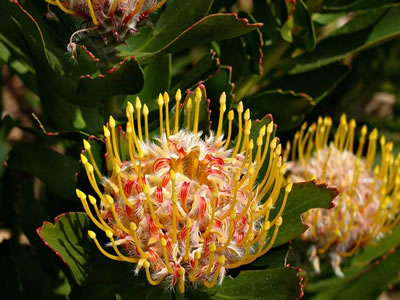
(271, 59)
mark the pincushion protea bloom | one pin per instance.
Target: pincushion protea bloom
(368, 202)
(182, 206)
(114, 19)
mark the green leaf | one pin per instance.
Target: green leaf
(124, 79)
(98, 276)
(253, 44)
(202, 70)
(273, 14)
(334, 5)
(337, 47)
(67, 237)
(304, 196)
(176, 18)
(373, 280)
(359, 283)
(274, 284)
(303, 31)
(379, 248)
(287, 107)
(56, 170)
(316, 83)
(157, 79)
(275, 258)
(210, 28)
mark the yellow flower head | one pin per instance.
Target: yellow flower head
(183, 206)
(368, 204)
(114, 19)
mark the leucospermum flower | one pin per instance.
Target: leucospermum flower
(183, 206)
(368, 202)
(113, 19)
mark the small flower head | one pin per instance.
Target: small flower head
(112, 19)
(183, 206)
(368, 204)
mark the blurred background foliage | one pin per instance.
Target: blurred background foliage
(295, 59)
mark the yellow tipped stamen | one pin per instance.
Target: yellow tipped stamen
(350, 136)
(181, 280)
(272, 165)
(146, 121)
(245, 255)
(197, 100)
(272, 145)
(187, 239)
(222, 108)
(146, 266)
(157, 6)
(121, 188)
(354, 250)
(107, 135)
(113, 7)
(274, 235)
(166, 102)
(371, 148)
(146, 192)
(295, 140)
(247, 128)
(239, 139)
(261, 239)
(133, 228)
(259, 144)
(251, 222)
(110, 201)
(231, 115)
(266, 208)
(131, 147)
(88, 149)
(114, 139)
(92, 14)
(178, 97)
(163, 243)
(235, 191)
(137, 9)
(160, 108)
(273, 178)
(287, 151)
(288, 189)
(92, 235)
(231, 232)
(138, 107)
(93, 202)
(109, 234)
(213, 248)
(89, 172)
(278, 182)
(189, 113)
(63, 8)
(197, 256)
(129, 114)
(82, 197)
(221, 261)
(330, 241)
(213, 206)
(172, 176)
(250, 171)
